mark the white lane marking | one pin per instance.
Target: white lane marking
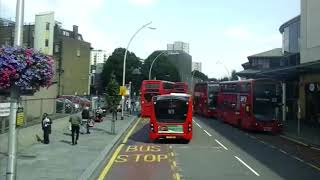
(221, 144)
(295, 157)
(272, 146)
(314, 148)
(252, 137)
(207, 133)
(284, 152)
(198, 125)
(252, 170)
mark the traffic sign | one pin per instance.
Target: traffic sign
(20, 117)
(4, 109)
(123, 90)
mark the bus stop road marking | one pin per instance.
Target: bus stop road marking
(116, 153)
(110, 163)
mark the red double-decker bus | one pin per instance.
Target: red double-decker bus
(205, 97)
(251, 104)
(171, 117)
(181, 87)
(150, 88)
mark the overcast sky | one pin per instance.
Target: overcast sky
(225, 31)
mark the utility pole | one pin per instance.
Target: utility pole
(14, 95)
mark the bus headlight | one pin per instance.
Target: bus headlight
(152, 127)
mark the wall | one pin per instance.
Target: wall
(42, 34)
(183, 63)
(75, 79)
(310, 28)
(27, 136)
(305, 79)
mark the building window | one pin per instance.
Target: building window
(47, 43)
(78, 52)
(285, 40)
(47, 26)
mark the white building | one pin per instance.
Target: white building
(178, 45)
(98, 56)
(197, 66)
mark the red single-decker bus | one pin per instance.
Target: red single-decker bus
(205, 97)
(251, 104)
(171, 117)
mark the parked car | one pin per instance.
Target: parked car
(74, 99)
(69, 106)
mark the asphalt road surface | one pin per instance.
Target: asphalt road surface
(217, 151)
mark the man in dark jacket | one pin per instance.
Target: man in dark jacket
(75, 121)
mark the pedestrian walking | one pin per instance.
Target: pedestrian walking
(114, 110)
(86, 118)
(75, 121)
(46, 128)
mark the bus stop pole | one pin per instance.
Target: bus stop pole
(284, 103)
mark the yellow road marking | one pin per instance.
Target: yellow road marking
(116, 153)
(110, 163)
(130, 132)
(174, 163)
(172, 154)
(177, 176)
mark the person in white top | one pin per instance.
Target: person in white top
(46, 127)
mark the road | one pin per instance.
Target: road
(217, 151)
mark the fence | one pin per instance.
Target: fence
(33, 109)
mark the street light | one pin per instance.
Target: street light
(125, 58)
(154, 60)
(225, 67)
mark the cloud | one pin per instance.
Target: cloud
(142, 2)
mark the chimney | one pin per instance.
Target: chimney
(75, 31)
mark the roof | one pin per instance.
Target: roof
(291, 21)
(247, 72)
(277, 52)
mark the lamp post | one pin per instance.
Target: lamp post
(225, 67)
(14, 95)
(124, 62)
(154, 60)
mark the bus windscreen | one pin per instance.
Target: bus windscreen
(171, 110)
(266, 97)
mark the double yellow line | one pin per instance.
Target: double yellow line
(107, 168)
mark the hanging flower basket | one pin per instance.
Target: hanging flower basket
(24, 68)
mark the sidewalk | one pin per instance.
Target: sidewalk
(309, 135)
(61, 160)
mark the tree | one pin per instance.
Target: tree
(114, 65)
(112, 91)
(162, 68)
(234, 76)
(224, 79)
(199, 75)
